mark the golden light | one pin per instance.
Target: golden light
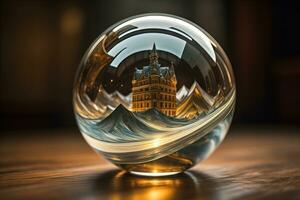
(71, 21)
(138, 187)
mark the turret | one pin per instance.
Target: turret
(153, 57)
(171, 68)
(172, 73)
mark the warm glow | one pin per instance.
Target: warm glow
(157, 142)
(154, 174)
(71, 21)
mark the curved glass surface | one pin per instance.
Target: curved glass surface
(154, 94)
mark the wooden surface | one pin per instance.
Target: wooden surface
(252, 163)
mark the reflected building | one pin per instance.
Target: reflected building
(154, 86)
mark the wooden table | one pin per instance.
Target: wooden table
(252, 163)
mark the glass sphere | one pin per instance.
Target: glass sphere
(154, 94)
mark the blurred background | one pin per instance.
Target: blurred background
(42, 43)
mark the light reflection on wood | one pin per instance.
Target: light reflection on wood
(250, 164)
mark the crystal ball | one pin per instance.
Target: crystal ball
(154, 94)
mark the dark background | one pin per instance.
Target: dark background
(42, 43)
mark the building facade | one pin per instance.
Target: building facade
(154, 86)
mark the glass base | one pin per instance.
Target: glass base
(153, 174)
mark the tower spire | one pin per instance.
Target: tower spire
(153, 56)
(154, 47)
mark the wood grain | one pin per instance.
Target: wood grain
(252, 163)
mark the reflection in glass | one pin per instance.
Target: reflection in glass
(154, 94)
